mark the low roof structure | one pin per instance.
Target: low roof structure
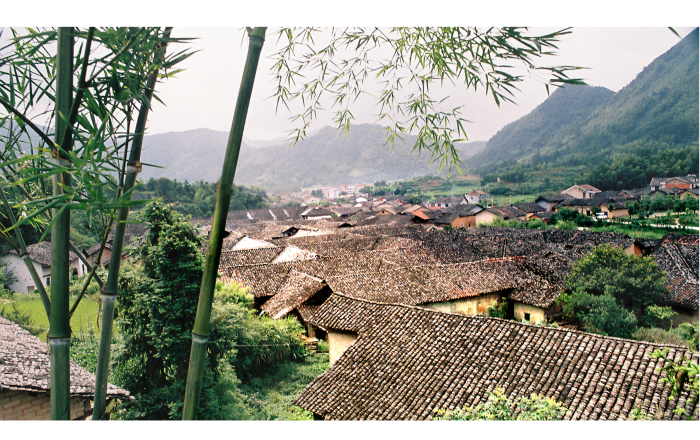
(409, 362)
(25, 365)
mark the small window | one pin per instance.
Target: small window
(527, 317)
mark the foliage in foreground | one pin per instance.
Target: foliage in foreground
(681, 375)
(156, 310)
(158, 300)
(500, 407)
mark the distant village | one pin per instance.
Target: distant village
(474, 208)
(401, 294)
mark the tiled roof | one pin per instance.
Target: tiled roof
(246, 257)
(555, 198)
(408, 362)
(41, 253)
(587, 187)
(266, 280)
(529, 208)
(25, 365)
(506, 211)
(437, 283)
(681, 277)
(296, 289)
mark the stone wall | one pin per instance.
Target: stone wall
(24, 405)
(467, 306)
(536, 314)
(338, 342)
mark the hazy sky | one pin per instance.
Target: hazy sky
(615, 40)
(204, 94)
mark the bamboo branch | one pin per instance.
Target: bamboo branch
(93, 270)
(25, 257)
(26, 120)
(111, 288)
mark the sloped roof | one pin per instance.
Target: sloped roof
(529, 208)
(245, 257)
(408, 362)
(436, 283)
(587, 187)
(506, 211)
(681, 274)
(297, 288)
(25, 365)
(41, 253)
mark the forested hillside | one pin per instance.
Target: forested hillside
(649, 128)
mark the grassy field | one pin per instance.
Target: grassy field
(84, 317)
(271, 397)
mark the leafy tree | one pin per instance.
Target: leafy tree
(156, 311)
(606, 284)
(7, 277)
(318, 193)
(598, 314)
(500, 407)
(633, 281)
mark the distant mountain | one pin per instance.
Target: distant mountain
(324, 158)
(587, 125)
(189, 155)
(263, 143)
(548, 127)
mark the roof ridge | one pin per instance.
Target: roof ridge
(523, 324)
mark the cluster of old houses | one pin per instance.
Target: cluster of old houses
(473, 208)
(403, 304)
(305, 196)
(403, 307)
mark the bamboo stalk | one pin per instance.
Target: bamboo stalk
(25, 257)
(202, 327)
(59, 324)
(111, 288)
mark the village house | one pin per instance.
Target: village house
(40, 256)
(581, 191)
(612, 207)
(476, 196)
(405, 363)
(688, 182)
(488, 215)
(24, 379)
(309, 199)
(446, 202)
(317, 213)
(549, 202)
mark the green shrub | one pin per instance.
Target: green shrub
(500, 407)
(499, 310)
(658, 335)
(24, 320)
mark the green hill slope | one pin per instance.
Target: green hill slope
(584, 125)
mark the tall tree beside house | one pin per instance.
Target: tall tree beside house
(156, 310)
(608, 289)
(421, 57)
